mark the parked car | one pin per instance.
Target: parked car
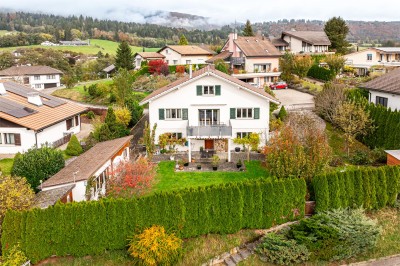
(278, 85)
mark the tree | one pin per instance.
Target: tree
(131, 179)
(301, 65)
(183, 40)
(6, 60)
(336, 29)
(123, 115)
(248, 30)
(286, 63)
(149, 136)
(221, 66)
(327, 101)
(122, 86)
(335, 62)
(124, 57)
(135, 109)
(282, 113)
(74, 148)
(353, 120)
(111, 128)
(157, 66)
(250, 141)
(38, 164)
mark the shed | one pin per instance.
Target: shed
(393, 157)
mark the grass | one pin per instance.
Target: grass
(311, 86)
(167, 179)
(196, 251)
(95, 46)
(6, 165)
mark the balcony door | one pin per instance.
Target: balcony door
(208, 117)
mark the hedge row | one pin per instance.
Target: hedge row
(370, 188)
(320, 73)
(86, 228)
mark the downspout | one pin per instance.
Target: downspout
(36, 139)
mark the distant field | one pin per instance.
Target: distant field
(95, 46)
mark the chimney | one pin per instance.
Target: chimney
(2, 89)
(34, 98)
(190, 71)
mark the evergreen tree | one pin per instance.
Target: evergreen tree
(248, 30)
(337, 29)
(183, 40)
(124, 57)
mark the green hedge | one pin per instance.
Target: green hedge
(86, 228)
(320, 73)
(371, 188)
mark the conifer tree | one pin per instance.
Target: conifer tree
(124, 57)
(248, 30)
(183, 40)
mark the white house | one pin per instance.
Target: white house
(385, 90)
(210, 108)
(185, 54)
(28, 118)
(146, 56)
(306, 41)
(97, 163)
(252, 59)
(37, 77)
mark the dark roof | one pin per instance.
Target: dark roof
(47, 198)
(223, 55)
(88, 163)
(109, 68)
(256, 47)
(29, 70)
(312, 37)
(149, 55)
(389, 82)
(208, 70)
(278, 42)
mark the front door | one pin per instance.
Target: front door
(209, 144)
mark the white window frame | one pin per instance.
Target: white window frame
(38, 86)
(188, 62)
(175, 135)
(169, 114)
(7, 138)
(175, 62)
(209, 88)
(241, 135)
(245, 111)
(369, 57)
(51, 76)
(36, 77)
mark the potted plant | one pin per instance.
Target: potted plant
(237, 149)
(239, 164)
(198, 166)
(181, 163)
(201, 149)
(215, 162)
(185, 162)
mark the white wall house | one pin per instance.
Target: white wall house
(385, 90)
(146, 56)
(29, 118)
(37, 77)
(210, 109)
(185, 54)
(306, 41)
(99, 162)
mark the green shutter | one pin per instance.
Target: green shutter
(161, 114)
(199, 90)
(179, 135)
(233, 113)
(184, 114)
(256, 113)
(217, 89)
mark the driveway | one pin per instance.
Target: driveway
(295, 100)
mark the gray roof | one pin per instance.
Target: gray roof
(389, 82)
(389, 49)
(257, 47)
(29, 70)
(47, 198)
(312, 37)
(109, 68)
(394, 153)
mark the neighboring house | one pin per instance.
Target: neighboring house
(252, 59)
(146, 56)
(29, 118)
(306, 41)
(280, 44)
(185, 54)
(37, 77)
(385, 90)
(209, 109)
(363, 60)
(90, 171)
(110, 70)
(75, 43)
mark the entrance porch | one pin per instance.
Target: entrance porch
(206, 148)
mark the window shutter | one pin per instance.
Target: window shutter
(233, 113)
(199, 90)
(69, 123)
(17, 139)
(256, 113)
(184, 114)
(179, 135)
(217, 89)
(161, 114)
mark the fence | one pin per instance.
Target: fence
(62, 141)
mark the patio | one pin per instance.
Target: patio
(207, 167)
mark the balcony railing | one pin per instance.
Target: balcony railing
(211, 131)
(237, 60)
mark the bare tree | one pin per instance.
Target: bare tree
(327, 101)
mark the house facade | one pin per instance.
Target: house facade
(385, 90)
(36, 77)
(316, 42)
(146, 56)
(29, 118)
(90, 172)
(185, 54)
(209, 109)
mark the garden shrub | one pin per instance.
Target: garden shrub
(74, 148)
(337, 234)
(360, 158)
(282, 113)
(320, 73)
(14, 257)
(275, 248)
(90, 115)
(155, 247)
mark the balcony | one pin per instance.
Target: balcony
(210, 131)
(237, 60)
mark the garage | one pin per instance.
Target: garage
(50, 85)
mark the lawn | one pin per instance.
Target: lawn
(6, 165)
(95, 46)
(311, 86)
(167, 179)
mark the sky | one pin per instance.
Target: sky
(220, 12)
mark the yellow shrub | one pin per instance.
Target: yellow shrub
(155, 247)
(123, 115)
